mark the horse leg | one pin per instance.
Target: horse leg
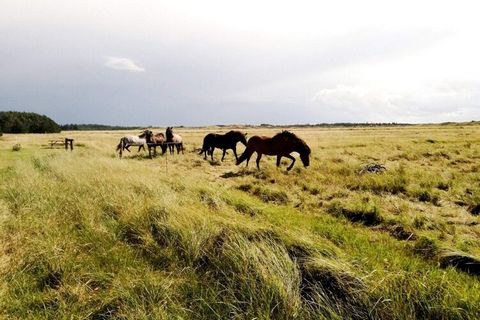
(293, 162)
(223, 156)
(249, 155)
(279, 157)
(126, 147)
(235, 153)
(259, 156)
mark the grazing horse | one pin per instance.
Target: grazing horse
(174, 140)
(154, 140)
(224, 142)
(127, 141)
(281, 145)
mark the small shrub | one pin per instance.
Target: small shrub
(17, 147)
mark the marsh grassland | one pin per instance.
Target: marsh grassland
(84, 234)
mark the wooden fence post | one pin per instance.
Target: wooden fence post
(68, 143)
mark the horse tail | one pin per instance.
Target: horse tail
(205, 146)
(120, 145)
(245, 155)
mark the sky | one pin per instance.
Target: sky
(211, 62)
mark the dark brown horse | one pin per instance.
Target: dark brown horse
(281, 145)
(225, 141)
(154, 140)
(174, 140)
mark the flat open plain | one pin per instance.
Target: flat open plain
(85, 234)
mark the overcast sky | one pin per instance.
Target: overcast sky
(251, 61)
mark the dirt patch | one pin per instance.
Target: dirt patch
(231, 174)
(398, 231)
(131, 236)
(465, 263)
(266, 194)
(52, 280)
(107, 311)
(369, 215)
(163, 235)
(271, 196)
(474, 209)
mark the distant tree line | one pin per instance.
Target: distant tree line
(94, 127)
(26, 122)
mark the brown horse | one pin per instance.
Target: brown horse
(281, 145)
(154, 140)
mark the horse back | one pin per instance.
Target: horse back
(267, 145)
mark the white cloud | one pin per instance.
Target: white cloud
(446, 101)
(122, 64)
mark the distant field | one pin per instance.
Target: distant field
(84, 234)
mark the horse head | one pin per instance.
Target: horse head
(169, 133)
(145, 133)
(243, 138)
(305, 154)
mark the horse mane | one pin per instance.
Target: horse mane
(233, 132)
(287, 135)
(169, 133)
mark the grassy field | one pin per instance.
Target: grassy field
(84, 234)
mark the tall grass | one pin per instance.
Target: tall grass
(86, 235)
